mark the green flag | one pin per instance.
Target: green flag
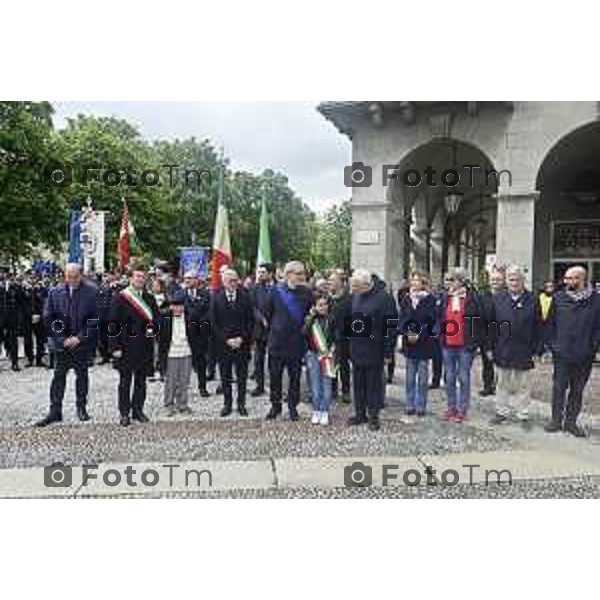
(264, 240)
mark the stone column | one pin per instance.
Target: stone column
(437, 268)
(515, 226)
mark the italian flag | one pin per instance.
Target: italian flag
(221, 250)
(264, 240)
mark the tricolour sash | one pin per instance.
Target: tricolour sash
(325, 354)
(138, 304)
(291, 303)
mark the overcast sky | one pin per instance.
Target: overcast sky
(291, 137)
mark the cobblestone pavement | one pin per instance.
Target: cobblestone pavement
(206, 436)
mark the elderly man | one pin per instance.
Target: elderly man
(575, 336)
(233, 326)
(286, 308)
(514, 333)
(134, 316)
(71, 319)
(197, 304)
(371, 329)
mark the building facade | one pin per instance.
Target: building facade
(527, 192)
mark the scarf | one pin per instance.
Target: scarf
(579, 296)
(324, 352)
(416, 297)
(456, 297)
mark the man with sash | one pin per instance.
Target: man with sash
(285, 311)
(133, 324)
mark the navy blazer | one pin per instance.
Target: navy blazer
(425, 315)
(77, 316)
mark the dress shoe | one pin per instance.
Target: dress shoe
(552, 427)
(219, 390)
(170, 411)
(49, 419)
(242, 411)
(274, 412)
(487, 392)
(433, 386)
(293, 413)
(29, 364)
(16, 368)
(226, 411)
(346, 399)
(82, 413)
(411, 412)
(204, 393)
(40, 363)
(124, 421)
(259, 391)
(498, 420)
(185, 410)
(575, 430)
(374, 424)
(357, 420)
(138, 415)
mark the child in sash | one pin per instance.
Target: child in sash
(320, 362)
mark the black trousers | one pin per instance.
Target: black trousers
(294, 369)
(8, 336)
(260, 355)
(199, 364)
(64, 361)
(127, 401)
(369, 390)
(103, 341)
(344, 376)
(34, 332)
(229, 361)
(488, 374)
(569, 381)
(437, 363)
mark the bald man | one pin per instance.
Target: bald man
(71, 320)
(574, 322)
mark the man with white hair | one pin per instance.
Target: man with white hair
(285, 310)
(71, 320)
(513, 330)
(574, 322)
(372, 332)
(233, 326)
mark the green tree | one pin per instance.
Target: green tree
(31, 213)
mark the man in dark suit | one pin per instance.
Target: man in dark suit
(70, 318)
(286, 308)
(11, 305)
(260, 292)
(372, 332)
(133, 325)
(233, 325)
(341, 308)
(197, 305)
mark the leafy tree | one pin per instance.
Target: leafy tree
(30, 212)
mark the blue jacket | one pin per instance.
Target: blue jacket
(65, 316)
(515, 331)
(574, 327)
(424, 315)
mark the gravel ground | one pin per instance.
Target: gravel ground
(576, 488)
(205, 436)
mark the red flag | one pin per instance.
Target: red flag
(221, 251)
(123, 248)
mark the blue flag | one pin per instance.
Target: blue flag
(75, 237)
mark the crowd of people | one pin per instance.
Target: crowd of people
(344, 330)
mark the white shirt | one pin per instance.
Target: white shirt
(180, 347)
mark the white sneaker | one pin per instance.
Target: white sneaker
(324, 418)
(316, 418)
